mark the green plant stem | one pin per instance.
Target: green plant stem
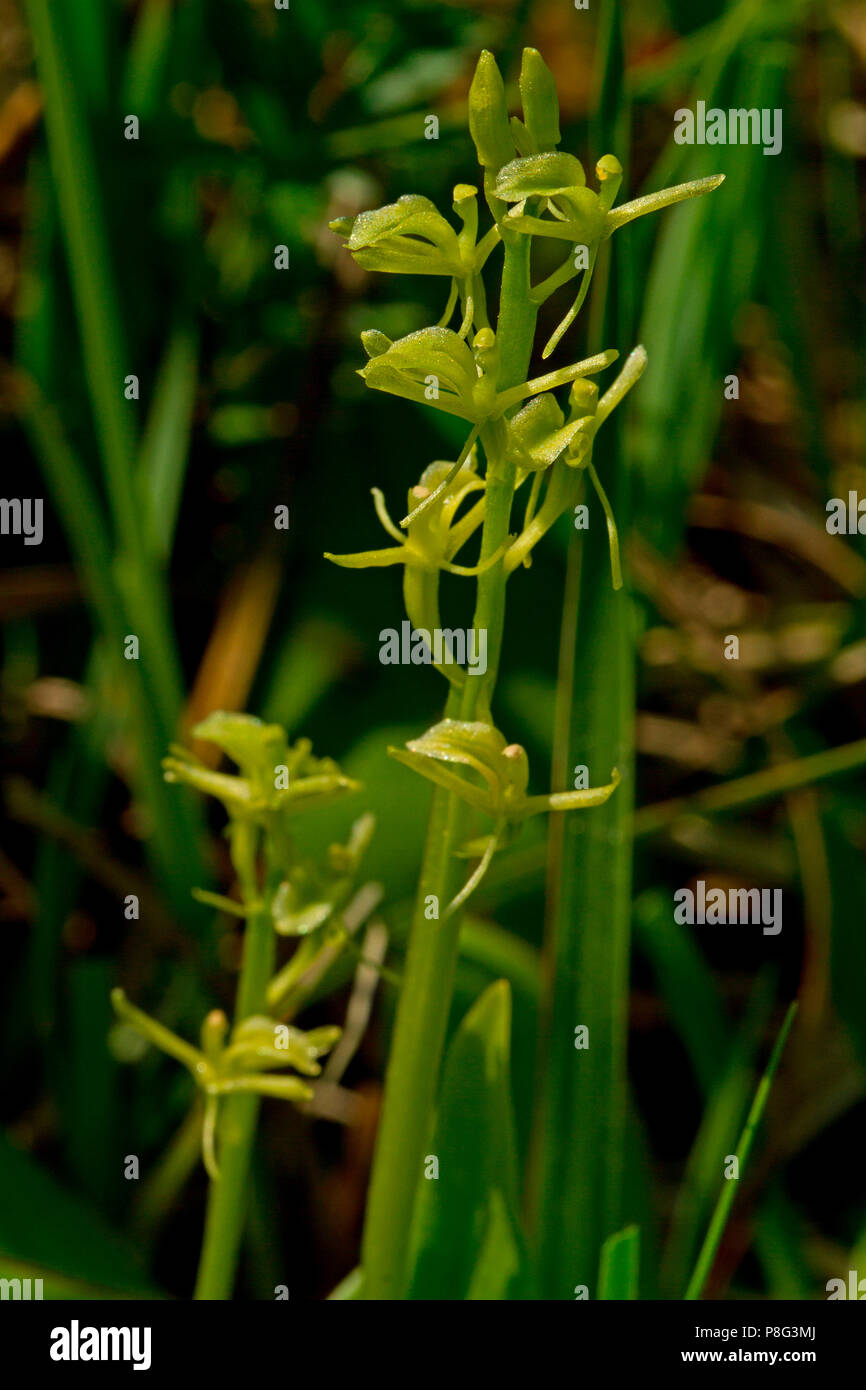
(227, 1198)
(413, 1068)
(489, 614)
(428, 977)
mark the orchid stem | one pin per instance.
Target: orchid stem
(428, 978)
(236, 1126)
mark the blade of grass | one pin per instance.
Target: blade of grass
(724, 1107)
(148, 51)
(692, 999)
(755, 788)
(688, 321)
(722, 1211)
(75, 177)
(577, 1162)
(782, 1244)
(105, 353)
(165, 443)
(175, 822)
(121, 575)
(88, 1091)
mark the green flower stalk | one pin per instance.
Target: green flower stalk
(479, 372)
(280, 895)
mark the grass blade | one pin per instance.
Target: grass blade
(726, 1197)
(165, 443)
(578, 1156)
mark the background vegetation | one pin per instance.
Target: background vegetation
(156, 257)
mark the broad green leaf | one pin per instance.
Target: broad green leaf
(467, 1236)
(499, 1263)
(619, 1266)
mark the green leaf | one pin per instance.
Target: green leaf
(619, 1265)
(467, 1237)
(498, 1268)
(164, 452)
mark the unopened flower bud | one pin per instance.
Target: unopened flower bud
(540, 102)
(488, 115)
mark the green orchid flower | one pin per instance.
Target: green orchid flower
(431, 540)
(587, 414)
(274, 776)
(308, 903)
(555, 182)
(310, 895)
(538, 433)
(411, 237)
(497, 784)
(435, 366)
(256, 1046)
